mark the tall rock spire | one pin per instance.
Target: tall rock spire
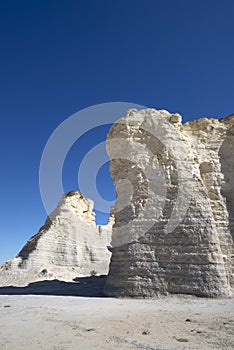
(68, 245)
(174, 210)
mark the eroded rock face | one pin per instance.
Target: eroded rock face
(67, 246)
(174, 212)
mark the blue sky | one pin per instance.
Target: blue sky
(57, 57)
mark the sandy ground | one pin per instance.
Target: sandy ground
(69, 322)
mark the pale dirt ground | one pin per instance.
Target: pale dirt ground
(66, 322)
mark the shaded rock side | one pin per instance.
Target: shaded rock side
(67, 246)
(174, 213)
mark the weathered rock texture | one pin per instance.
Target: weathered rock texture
(67, 246)
(174, 225)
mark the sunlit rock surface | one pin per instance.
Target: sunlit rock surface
(174, 212)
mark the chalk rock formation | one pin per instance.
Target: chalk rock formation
(67, 246)
(174, 212)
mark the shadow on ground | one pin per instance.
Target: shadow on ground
(82, 286)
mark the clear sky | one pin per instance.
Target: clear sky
(57, 57)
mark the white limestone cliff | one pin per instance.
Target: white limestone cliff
(174, 212)
(69, 245)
